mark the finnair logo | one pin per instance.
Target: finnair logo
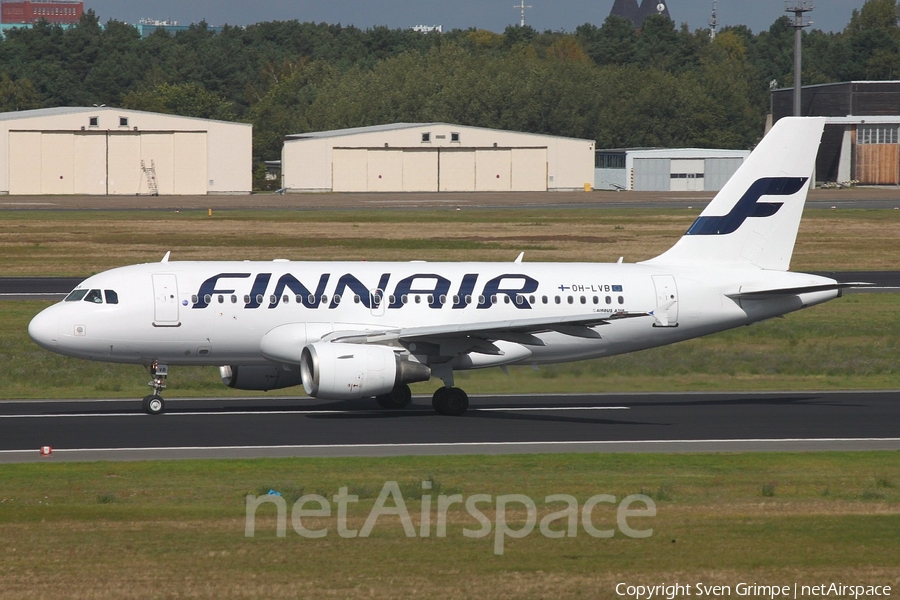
(749, 205)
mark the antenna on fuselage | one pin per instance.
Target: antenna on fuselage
(166, 257)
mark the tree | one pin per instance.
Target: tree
(613, 44)
(17, 95)
(185, 99)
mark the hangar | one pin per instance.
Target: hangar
(105, 150)
(434, 157)
(666, 169)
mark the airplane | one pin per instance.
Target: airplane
(350, 330)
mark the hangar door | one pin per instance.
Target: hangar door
(106, 162)
(493, 170)
(439, 169)
(384, 170)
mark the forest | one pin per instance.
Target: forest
(661, 85)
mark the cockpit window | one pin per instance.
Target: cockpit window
(111, 297)
(94, 296)
(76, 295)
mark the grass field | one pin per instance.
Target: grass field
(85, 242)
(177, 529)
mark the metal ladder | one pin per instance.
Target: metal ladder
(150, 174)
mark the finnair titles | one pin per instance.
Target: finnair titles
(349, 330)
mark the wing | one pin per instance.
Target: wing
(460, 338)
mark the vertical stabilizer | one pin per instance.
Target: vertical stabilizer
(753, 221)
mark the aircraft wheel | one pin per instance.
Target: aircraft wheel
(451, 402)
(154, 404)
(399, 397)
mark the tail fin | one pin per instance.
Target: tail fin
(752, 222)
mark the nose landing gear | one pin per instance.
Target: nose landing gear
(154, 403)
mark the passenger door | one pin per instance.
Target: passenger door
(165, 299)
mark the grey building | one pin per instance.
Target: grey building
(665, 169)
(861, 141)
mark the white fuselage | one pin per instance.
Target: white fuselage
(218, 313)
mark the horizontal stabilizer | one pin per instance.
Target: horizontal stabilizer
(749, 294)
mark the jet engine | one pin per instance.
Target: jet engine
(340, 371)
(260, 377)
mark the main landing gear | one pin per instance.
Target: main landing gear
(399, 397)
(448, 401)
(154, 403)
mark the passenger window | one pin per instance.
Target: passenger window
(111, 297)
(76, 295)
(94, 296)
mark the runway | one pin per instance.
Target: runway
(275, 427)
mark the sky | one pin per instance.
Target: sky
(495, 15)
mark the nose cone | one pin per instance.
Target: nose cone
(44, 329)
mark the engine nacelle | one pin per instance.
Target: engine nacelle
(260, 377)
(338, 371)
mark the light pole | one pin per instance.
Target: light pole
(799, 8)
